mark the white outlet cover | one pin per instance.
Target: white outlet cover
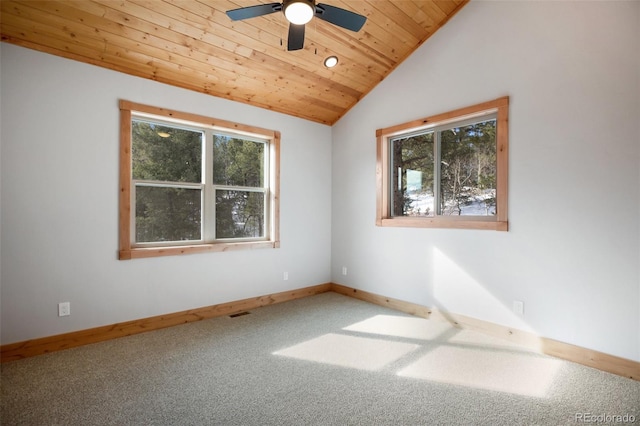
(64, 309)
(518, 307)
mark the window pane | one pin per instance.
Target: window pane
(238, 162)
(164, 153)
(239, 214)
(468, 170)
(167, 214)
(413, 176)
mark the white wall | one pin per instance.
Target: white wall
(572, 71)
(59, 242)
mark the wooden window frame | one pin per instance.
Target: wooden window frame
(499, 221)
(127, 248)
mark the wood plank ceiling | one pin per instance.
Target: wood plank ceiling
(194, 45)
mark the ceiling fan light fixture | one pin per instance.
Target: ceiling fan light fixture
(331, 61)
(299, 12)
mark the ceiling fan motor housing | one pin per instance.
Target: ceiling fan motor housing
(300, 12)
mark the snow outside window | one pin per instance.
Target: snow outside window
(448, 170)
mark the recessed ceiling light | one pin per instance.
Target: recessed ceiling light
(331, 61)
(298, 12)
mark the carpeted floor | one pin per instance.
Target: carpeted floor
(322, 360)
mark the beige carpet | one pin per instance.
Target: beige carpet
(323, 360)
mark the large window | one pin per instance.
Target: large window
(446, 171)
(192, 184)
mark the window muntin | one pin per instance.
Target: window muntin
(449, 170)
(193, 184)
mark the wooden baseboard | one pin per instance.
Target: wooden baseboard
(28, 348)
(599, 360)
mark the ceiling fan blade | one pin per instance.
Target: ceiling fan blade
(296, 37)
(340, 17)
(253, 11)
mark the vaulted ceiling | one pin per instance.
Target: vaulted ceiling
(194, 45)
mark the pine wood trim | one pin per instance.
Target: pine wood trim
(502, 166)
(145, 252)
(198, 119)
(591, 358)
(125, 184)
(499, 222)
(382, 160)
(443, 118)
(388, 302)
(126, 250)
(439, 222)
(275, 190)
(28, 348)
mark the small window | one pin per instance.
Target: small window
(447, 171)
(193, 184)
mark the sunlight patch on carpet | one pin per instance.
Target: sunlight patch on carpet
(509, 372)
(398, 326)
(474, 338)
(349, 351)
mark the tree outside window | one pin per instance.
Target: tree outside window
(448, 170)
(189, 186)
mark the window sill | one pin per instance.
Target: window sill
(424, 222)
(143, 252)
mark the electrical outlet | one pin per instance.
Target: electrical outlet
(64, 309)
(344, 270)
(285, 276)
(518, 307)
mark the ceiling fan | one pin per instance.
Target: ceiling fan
(298, 13)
